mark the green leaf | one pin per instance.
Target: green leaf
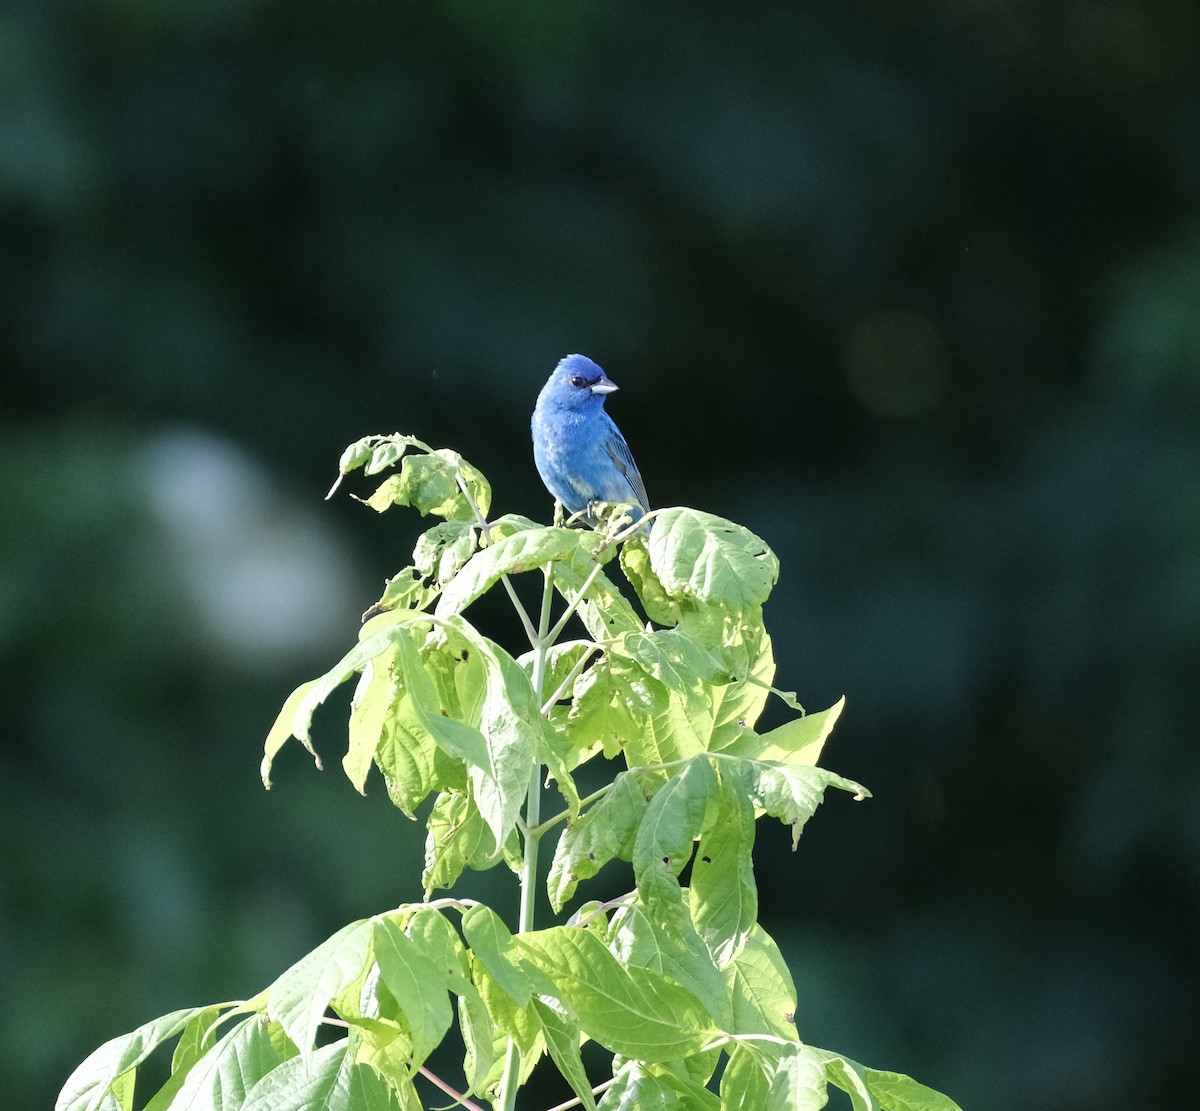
(327, 1080)
(441, 551)
(522, 551)
(405, 590)
(297, 999)
(603, 832)
(641, 1087)
(697, 555)
(519, 1022)
(556, 752)
(438, 940)
(798, 1083)
(492, 945)
(455, 738)
(669, 944)
(798, 741)
(388, 453)
(604, 611)
(680, 811)
(376, 452)
(122, 1091)
(693, 1096)
(744, 1083)
(295, 719)
(197, 1037)
(417, 985)
(407, 756)
(562, 1040)
(457, 838)
(510, 722)
(430, 484)
(792, 793)
(373, 699)
(851, 1078)
(674, 730)
(672, 657)
(681, 665)
(478, 1031)
(611, 706)
(745, 649)
(636, 1013)
(660, 607)
(897, 1092)
(875, 1090)
(561, 659)
(223, 1076)
(88, 1086)
(724, 897)
(761, 989)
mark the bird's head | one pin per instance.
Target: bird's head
(578, 384)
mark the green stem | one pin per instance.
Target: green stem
(486, 529)
(563, 815)
(573, 606)
(569, 681)
(533, 816)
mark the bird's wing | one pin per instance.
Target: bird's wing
(618, 449)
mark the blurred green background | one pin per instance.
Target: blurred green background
(910, 288)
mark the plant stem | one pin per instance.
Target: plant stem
(486, 529)
(572, 607)
(533, 816)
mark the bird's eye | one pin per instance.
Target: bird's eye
(578, 382)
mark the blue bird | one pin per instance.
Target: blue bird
(580, 454)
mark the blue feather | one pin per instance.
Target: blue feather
(580, 454)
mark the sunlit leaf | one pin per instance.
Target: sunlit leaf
(328, 1080)
(876, 1090)
(637, 1013)
(744, 1083)
(441, 551)
(408, 758)
(670, 944)
(679, 812)
(603, 832)
(798, 741)
(297, 999)
(724, 897)
(417, 985)
(562, 1041)
(702, 556)
(492, 944)
(790, 792)
(430, 484)
(761, 988)
(88, 1086)
(798, 1082)
(660, 607)
(223, 1076)
(197, 1038)
(372, 702)
(522, 551)
(457, 838)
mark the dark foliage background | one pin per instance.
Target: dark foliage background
(912, 289)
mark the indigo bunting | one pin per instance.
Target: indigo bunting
(580, 454)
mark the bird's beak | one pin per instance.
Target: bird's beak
(605, 385)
